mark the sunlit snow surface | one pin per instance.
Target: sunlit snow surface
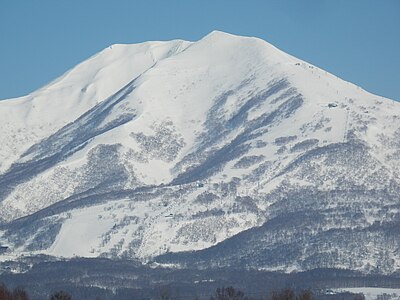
(165, 147)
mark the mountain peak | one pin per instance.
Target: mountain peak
(221, 35)
(195, 145)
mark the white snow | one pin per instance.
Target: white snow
(81, 234)
(372, 293)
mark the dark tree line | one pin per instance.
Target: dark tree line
(16, 294)
(20, 294)
(224, 293)
(230, 293)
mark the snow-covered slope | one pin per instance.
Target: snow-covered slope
(29, 119)
(166, 147)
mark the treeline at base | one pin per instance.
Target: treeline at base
(102, 278)
(224, 293)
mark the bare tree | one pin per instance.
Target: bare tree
(305, 295)
(228, 293)
(60, 295)
(20, 294)
(5, 294)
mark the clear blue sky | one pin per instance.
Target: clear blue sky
(358, 40)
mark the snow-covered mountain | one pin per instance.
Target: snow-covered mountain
(219, 152)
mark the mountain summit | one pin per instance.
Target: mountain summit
(220, 152)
